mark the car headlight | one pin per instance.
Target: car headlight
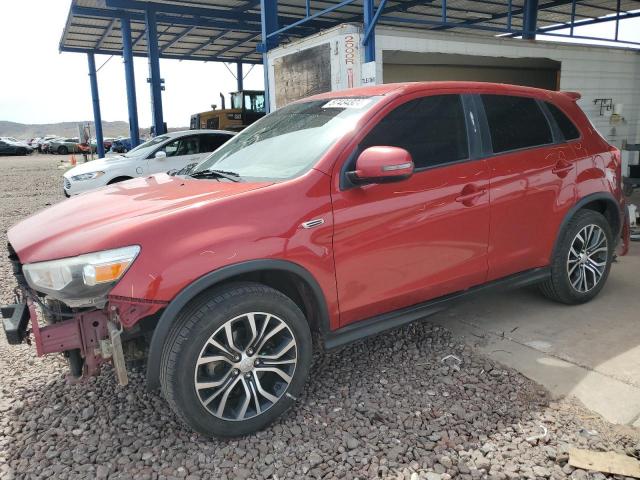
(84, 280)
(87, 176)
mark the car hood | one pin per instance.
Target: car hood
(98, 165)
(114, 216)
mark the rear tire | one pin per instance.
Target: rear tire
(582, 259)
(228, 388)
(62, 150)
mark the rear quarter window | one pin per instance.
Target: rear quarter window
(566, 126)
(515, 123)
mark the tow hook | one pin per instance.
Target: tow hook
(112, 348)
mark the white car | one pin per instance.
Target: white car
(171, 151)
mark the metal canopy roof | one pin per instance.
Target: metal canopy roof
(230, 30)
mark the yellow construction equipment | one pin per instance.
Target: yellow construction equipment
(247, 106)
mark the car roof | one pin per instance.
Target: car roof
(460, 86)
(182, 133)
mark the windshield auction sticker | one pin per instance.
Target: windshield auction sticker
(347, 103)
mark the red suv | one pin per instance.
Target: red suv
(334, 218)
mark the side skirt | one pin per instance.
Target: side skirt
(392, 320)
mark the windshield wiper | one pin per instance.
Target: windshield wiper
(184, 170)
(233, 176)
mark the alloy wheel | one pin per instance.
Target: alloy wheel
(246, 366)
(587, 258)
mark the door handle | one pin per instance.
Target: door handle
(470, 192)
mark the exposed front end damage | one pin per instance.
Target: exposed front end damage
(87, 337)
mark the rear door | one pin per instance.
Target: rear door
(400, 244)
(532, 182)
(211, 142)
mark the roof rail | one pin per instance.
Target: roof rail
(575, 96)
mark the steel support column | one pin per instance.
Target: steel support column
(97, 118)
(530, 20)
(269, 16)
(370, 41)
(239, 76)
(127, 55)
(154, 71)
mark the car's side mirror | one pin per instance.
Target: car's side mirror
(382, 165)
(160, 154)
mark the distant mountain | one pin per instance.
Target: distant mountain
(24, 131)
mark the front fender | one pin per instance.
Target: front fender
(176, 305)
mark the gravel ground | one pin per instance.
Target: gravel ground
(388, 407)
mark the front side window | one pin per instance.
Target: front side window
(288, 142)
(182, 146)
(566, 126)
(515, 122)
(254, 102)
(145, 148)
(432, 129)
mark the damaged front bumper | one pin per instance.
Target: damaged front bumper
(88, 339)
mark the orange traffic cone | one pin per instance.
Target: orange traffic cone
(73, 160)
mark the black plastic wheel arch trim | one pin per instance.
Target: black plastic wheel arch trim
(594, 197)
(163, 327)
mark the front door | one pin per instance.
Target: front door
(180, 152)
(400, 244)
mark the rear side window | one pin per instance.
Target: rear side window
(515, 122)
(432, 129)
(568, 129)
(209, 143)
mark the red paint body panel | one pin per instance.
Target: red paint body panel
(381, 247)
(528, 204)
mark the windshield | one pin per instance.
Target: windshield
(288, 142)
(146, 147)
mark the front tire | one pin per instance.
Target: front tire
(236, 359)
(62, 150)
(582, 259)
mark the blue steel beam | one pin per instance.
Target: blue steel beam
(369, 42)
(239, 77)
(139, 37)
(95, 98)
(498, 16)
(269, 17)
(438, 23)
(154, 72)
(127, 56)
(530, 20)
(243, 22)
(236, 44)
(211, 41)
(369, 30)
(105, 51)
(240, 22)
(168, 8)
(297, 23)
(593, 21)
(106, 33)
(177, 38)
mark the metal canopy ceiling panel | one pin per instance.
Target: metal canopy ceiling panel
(229, 30)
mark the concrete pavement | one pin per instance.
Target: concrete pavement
(591, 351)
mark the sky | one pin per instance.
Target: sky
(40, 85)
